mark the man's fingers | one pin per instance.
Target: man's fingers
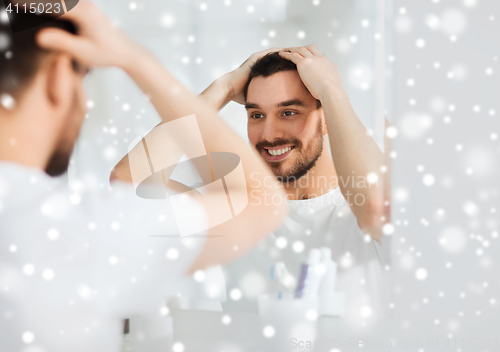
(302, 51)
(259, 55)
(272, 50)
(293, 57)
(313, 49)
(54, 39)
(60, 40)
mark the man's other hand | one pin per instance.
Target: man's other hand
(237, 79)
(318, 74)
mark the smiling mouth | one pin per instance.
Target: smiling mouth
(278, 154)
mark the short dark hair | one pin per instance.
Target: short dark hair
(20, 56)
(269, 65)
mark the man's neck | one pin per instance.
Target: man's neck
(319, 180)
(23, 146)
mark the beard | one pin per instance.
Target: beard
(59, 162)
(305, 160)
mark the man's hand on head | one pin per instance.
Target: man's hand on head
(237, 79)
(99, 42)
(318, 74)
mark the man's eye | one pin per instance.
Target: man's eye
(289, 113)
(256, 116)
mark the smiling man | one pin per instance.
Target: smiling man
(302, 124)
(292, 143)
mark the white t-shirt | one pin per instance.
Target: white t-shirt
(75, 263)
(325, 221)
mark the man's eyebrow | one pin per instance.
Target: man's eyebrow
(291, 102)
(251, 106)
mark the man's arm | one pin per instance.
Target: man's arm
(121, 172)
(355, 153)
(99, 43)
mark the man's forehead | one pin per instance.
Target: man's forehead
(280, 87)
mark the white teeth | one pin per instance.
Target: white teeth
(279, 152)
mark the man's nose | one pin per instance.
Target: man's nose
(273, 129)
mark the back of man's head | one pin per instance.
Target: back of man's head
(269, 65)
(20, 57)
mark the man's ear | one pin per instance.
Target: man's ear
(60, 77)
